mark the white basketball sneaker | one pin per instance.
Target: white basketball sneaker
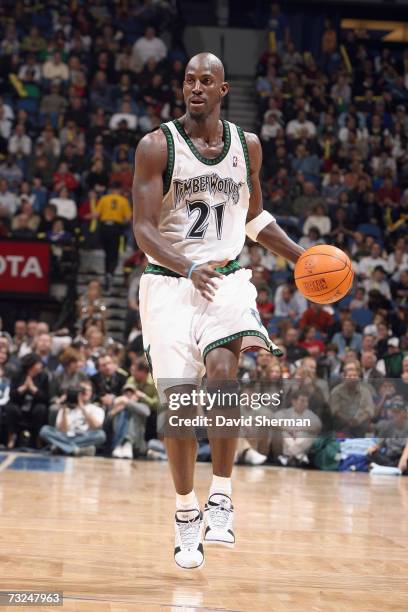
(188, 547)
(219, 520)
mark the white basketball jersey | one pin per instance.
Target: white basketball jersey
(205, 201)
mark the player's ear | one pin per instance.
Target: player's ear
(224, 89)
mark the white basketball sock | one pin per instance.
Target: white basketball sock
(221, 485)
(187, 502)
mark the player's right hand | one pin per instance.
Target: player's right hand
(203, 275)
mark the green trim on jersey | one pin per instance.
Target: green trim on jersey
(232, 266)
(196, 152)
(248, 332)
(170, 158)
(246, 155)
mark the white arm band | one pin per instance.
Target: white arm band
(254, 227)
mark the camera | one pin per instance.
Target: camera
(72, 398)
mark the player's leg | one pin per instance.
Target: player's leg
(222, 369)
(181, 451)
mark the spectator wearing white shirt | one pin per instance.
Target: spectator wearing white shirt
(318, 219)
(271, 126)
(30, 67)
(6, 120)
(367, 264)
(55, 69)
(149, 46)
(378, 280)
(311, 238)
(301, 127)
(20, 144)
(125, 114)
(8, 200)
(79, 424)
(66, 206)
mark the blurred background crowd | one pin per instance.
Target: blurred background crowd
(80, 85)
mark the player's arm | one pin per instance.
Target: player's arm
(261, 226)
(147, 192)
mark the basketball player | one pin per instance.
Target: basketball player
(196, 194)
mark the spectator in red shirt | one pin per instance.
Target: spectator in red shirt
(316, 316)
(309, 342)
(388, 192)
(264, 304)
(122, 176)
(64, 178)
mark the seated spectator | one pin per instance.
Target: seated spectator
(333, 188)
(291, 59)
(42, 346)
(30, 65)
(33, 42)
(64, 178)
(125, 114)
(391, 363)
(27, 211)
(378, 281)
(347, 339)
(91, 302)
(289, 302)
(29, 394)
(317, 316)
(351, 403)
(297, 440)
(78, 429)
(359, 300)
(58, 234)
(20, 144)
(66, 206)
(21, 228)
(369, 372)
(264, 304)
(310, 342)
(149, 47)
(54, 69)
(8, 201)
(294, 352)
(309, 165)
(150, 120)
(270, 127)
(108, 382)
(49, 215)
(368, 263)
(301, 127)
(68, 375)
(52, 105)
(312, 238)
(318, 219)
(392, 447)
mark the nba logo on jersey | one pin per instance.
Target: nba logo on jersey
(235, 161)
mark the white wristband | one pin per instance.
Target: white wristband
(254, 227)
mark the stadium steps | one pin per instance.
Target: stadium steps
(92, 268)
(242, 107)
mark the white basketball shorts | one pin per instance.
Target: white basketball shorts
(180, 327)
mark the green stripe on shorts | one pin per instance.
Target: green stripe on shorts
(232, 266)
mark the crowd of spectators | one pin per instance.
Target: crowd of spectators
(84, 85)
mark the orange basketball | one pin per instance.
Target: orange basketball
(324, 274)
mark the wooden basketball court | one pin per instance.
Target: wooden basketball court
(101, 531)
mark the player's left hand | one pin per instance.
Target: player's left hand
(203, 276)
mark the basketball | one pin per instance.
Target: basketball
(324, 274)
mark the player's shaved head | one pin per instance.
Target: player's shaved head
(207, 62)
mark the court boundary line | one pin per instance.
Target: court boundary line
(7, 461)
